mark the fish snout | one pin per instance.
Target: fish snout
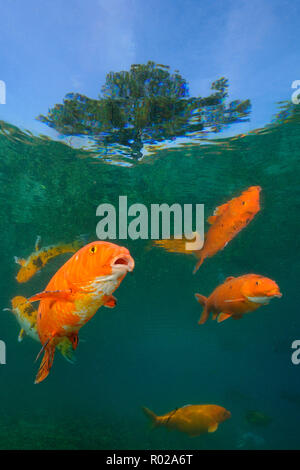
(227, 415)
(275, 293)
(123, 262)
(255, 188)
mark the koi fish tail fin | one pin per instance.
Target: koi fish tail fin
(198, 264)
(203, 301)
(152, 416)
(173, 245)
(46, 363)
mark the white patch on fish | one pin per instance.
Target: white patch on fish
(260, 300)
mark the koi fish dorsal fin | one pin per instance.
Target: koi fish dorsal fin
(229, 278)
(213, 427)
(55, 295)
(37, 243)
(223, 317)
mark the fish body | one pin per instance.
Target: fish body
(193, 420)
(75, 293)
(26, 316)
(40, 257)
(237, 296)
(227, 221)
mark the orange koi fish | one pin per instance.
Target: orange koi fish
(191, 419)
(226, 222)
(40, 257)
(26, 317)
(237, 296)
(75, 293)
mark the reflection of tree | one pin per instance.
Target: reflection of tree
(288, 112)
(147, 104)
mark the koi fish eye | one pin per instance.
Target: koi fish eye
(257, 283)
(93, 249)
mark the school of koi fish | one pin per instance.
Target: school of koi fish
(89, 278)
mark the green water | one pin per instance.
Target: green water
(149, 350)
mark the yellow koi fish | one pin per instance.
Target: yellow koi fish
(26, 317)
(40, 257)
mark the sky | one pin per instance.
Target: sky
(51, 47)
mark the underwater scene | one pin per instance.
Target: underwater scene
(117, 332)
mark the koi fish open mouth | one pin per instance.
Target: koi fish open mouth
(278, 294)
(265, 299)
(123, 263)
(274, 293)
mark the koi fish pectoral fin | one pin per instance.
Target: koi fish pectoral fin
(47, 361)
(21, 335)
(205, 313)
(55, 295)
(74, 340)
(220, 210)
(110, 301)
(198, 264)
(65, 347)
(42, 350)
(223, 317)
(211, 220)
(213, 427)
